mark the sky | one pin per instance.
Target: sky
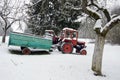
(113, 3)
(16, 24)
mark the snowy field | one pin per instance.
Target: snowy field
(58, 66)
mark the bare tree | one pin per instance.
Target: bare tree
(10, 13)
(104, 23)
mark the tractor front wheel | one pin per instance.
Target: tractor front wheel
(67, 48)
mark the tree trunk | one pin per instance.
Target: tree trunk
(98, 53)
(4, 37)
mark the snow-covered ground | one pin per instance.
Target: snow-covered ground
(58, 66)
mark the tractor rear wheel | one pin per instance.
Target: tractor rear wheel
(26, 51)
(67, 48)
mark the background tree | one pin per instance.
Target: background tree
(52, 14)
(103, 23)
(9, 13)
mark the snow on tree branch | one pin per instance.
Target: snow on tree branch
(102, 8)
(110, 24)
(98, 24)
(75, 8)
(95, 4)
(93, 13)
(36, 2)
(81, 19)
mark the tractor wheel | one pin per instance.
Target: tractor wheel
(26, 51)
(67, 48)
(83, 52)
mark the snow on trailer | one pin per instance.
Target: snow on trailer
(27, 40)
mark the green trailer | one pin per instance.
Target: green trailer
(26, 41)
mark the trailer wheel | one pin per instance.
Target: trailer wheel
(67, 48)
(26, 51)
(83, 52)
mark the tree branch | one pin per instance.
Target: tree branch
(12, 23)
(110, 25)
(4, 22)
(89, 11)
(93, 13)
(105, 11)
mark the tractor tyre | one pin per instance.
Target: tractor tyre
(67, 48)
(26, 51)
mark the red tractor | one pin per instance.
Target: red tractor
(69, 40)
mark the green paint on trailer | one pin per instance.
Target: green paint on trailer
(25, 40)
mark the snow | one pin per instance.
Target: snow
(57, 66)
(81, 19)
(114, 19)
(98, 24)
(91, 10)
(66, 28)
(110, 22)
